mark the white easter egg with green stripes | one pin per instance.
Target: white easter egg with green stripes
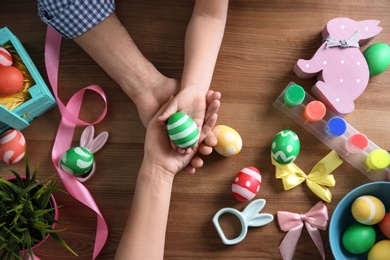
(77, 161)
(182, 130)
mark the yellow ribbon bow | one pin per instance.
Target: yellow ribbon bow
(318, 180)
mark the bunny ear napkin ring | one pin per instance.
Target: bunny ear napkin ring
(249, 217)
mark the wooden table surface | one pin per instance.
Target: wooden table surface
(262, 42)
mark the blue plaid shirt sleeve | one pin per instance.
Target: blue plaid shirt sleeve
(72, 18)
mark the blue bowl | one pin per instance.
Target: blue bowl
(342, 217)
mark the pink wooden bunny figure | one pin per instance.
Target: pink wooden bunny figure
(341, 69)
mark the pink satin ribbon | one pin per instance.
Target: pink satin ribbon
(63, 140)
(316, 218)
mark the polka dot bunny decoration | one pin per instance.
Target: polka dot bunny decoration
(341, 68)
(79, 161)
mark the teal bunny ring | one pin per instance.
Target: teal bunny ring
(244, 225)
(249, 217)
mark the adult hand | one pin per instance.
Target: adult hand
(158, 149)
(192, 102)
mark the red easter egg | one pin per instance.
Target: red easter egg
(12, 146)
(246, 184)
(384, 225)
(11, 80)
(5, 58)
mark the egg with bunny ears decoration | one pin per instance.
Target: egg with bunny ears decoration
(79, 161)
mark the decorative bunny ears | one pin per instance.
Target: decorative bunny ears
(249, 217)
(88, 141)
(93, 144)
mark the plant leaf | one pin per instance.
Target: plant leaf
(62, 242)
(25, 205)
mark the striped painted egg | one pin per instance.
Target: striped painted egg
(77, 161)
(285, 147)
(5, 58)
(246, 184)
(182, 130)
(12, 146)
(368, 210)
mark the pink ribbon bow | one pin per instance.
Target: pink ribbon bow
(316, 218)
(65, 132)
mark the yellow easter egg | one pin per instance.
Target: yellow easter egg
(368, 210)
(380, 251)
(229, 142)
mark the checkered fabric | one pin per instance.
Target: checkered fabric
(71, 18)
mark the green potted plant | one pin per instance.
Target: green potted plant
(28, 214)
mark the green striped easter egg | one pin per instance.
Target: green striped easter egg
(183, 130)
(77, 161)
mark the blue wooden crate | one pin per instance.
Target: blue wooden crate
(41, 98)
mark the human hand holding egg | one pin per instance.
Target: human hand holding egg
(158, 150)
(197, 106)
(187, 160)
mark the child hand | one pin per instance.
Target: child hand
(197, 106)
